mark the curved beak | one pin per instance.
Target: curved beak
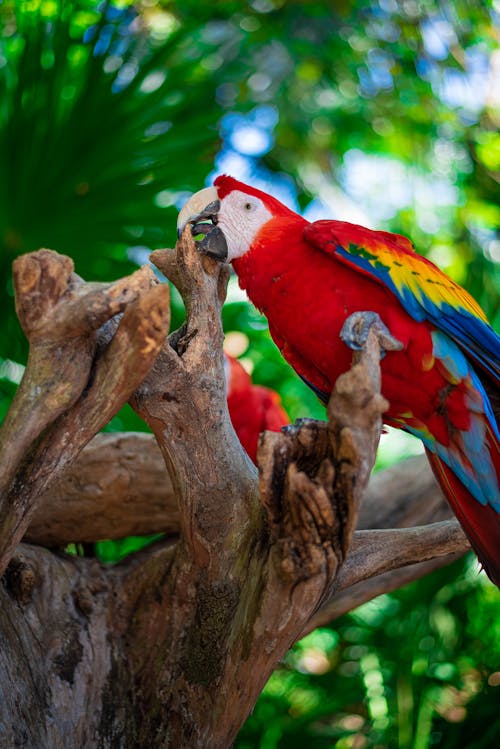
(202, 205)
(201, 212)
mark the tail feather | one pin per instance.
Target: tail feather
(481, 523)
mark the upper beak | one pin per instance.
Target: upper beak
(201, 205)
(201, 212)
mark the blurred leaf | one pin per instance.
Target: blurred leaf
(98, 117)
(488, 150)
(377, 112)
(112, 551)
(405, 670)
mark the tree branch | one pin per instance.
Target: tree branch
(256, 557)
(71, 388)
(350, 598)
(118, 486)
(404, 495)
(183, 400)
(377, 551)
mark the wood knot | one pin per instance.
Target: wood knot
(21, 579)
(83, 600)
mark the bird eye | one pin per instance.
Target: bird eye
(248, 206)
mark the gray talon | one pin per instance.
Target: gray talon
(356, 328)
(294, 429)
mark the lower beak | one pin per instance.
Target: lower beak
(213, 243)
(201, 212)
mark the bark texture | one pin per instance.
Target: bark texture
(172, 647)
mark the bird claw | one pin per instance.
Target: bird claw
(356, 329)
(293, 429)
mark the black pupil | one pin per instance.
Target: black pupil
(248, 206)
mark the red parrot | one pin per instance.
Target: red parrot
(308, 279)
(252, 408)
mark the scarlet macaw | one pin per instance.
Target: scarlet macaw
(309, 278)
(253, 409)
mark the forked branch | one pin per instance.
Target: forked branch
(72, 386)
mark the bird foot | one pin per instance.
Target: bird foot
(356, 328)
(293, 429)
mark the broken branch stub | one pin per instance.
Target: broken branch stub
(190, 272)
(184, 402)
(70, 388)
(313, 475)
(60, 315)
(355, 416)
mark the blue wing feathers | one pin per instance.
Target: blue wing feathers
(474, 335)
(477, 337)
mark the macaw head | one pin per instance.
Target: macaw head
(228, 216)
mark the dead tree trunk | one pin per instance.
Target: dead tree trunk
(172, 647)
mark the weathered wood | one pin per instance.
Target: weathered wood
(172, 646)
(347, 599)
(57, 661)
(374, 552)
(403, 495)
(72, 386)
(243, 584)
(119, 486)
(60, 315)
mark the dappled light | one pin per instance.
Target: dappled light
(379, 113)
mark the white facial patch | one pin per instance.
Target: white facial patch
(240, 218)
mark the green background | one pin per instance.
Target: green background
(112, 113)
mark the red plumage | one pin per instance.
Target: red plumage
(303, 278)
(480, 522)
(253, 408)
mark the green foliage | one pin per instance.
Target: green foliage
(398, 84)
(110, 112)
(113, 551)
(98, 136)
(407, 670)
